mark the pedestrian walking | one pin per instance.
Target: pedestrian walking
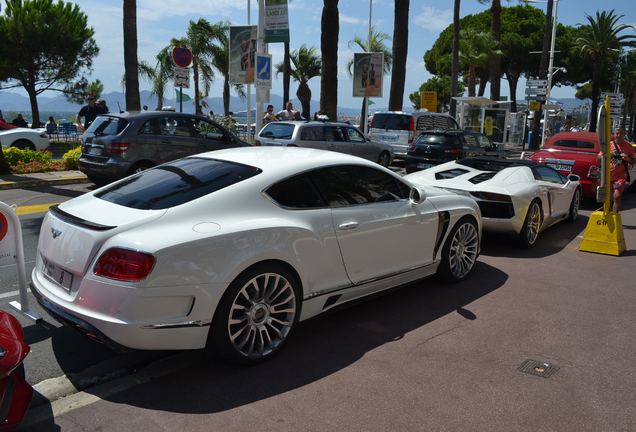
(269, 115)
(622, 155)
(89, 111)
(289, 113)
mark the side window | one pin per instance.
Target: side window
(354, 135)
(348, 185)
(174, 126)
(471, 140)
(333, 133)
(296, 192)
(547, 174)
(151, 127)
(312, 133)
(207, 130)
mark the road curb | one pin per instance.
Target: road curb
(30, 183)
(61, 396)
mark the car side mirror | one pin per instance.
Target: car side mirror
(573, 178)
(416, 196)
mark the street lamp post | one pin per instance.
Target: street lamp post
(551, 71)
(365, 116)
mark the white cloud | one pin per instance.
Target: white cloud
(349, 20)
(434, 20)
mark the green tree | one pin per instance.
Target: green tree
(601, 39)
(495, 61)
(455, 56)
(131, 63)
(441, 85)
(44, 45)
(400, 51)
(159, 74)
(78, 92)
(329, 32)
(476, 49)
(305, 64)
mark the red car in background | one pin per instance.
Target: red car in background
(573, 153)
(15, 392)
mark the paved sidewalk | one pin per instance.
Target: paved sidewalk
(21, 181)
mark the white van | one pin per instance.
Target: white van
(399, 129)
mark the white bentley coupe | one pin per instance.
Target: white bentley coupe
(230, 249)
(521, 196)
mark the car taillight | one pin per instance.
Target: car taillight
(116, 148)
(411, 130)
(593, 172)
(489, 196)
(412, 147)
(124, 264)
(455, 151)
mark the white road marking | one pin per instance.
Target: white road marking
(9, 294)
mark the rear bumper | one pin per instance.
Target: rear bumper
(109, 170)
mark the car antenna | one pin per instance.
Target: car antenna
(119, 106)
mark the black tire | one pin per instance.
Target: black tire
(384, 159)
(531, 226)
(21, 371)
(24, 144)
(460, 251)
(253, 314)
(139, 167)
(574, 206)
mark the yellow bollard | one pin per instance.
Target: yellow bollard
(604, 231)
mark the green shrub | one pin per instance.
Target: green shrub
(71, 157)
(14, 155)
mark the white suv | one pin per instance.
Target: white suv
(334, 136)
(399, 129)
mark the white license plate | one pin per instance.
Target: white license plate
(424, 165)
(560, 167)
(95, 151)
(57, 274)
(389, 138)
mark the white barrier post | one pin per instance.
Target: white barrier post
(13, 224)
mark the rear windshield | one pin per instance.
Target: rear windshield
(278, 130)
(436, 122)
(391, 121)
(444, 140)
(176, 183)
(575, 144)
(103, 125)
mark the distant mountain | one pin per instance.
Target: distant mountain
(116, 101)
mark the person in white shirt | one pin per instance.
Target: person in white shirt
(288, 113)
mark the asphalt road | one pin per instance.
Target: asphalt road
(428, 356)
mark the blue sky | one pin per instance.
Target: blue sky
(160, 20)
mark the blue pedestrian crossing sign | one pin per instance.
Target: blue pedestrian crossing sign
(263, 70)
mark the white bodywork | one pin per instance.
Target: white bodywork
(518, 182)
(37, 137)
(203, 245)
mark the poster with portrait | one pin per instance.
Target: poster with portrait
(367, 74)
(242, 54)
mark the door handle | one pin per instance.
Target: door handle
(348, 225)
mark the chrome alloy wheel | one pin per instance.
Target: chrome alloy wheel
(463, 250)
(261, 315)
(576, 203)
(533, 222)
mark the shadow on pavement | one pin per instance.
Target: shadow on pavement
(549, 242)
(319, 348)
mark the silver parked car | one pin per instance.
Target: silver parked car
(334, 136)
(118, 145)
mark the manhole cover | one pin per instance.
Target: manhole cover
(538, 368)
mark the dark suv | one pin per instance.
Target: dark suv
(117, 145)
(434, 147)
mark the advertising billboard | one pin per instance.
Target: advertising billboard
(367, 74)
(242, 54)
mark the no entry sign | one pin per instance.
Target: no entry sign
(182, 56)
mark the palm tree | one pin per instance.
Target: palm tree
(600, 38)
(330, 29)
(400, 50)
(220, 60)
(160, 74)
(130, 56)
(455, 58)
(377, 44)
(476, 49)
(495, 62)
(305, 64)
